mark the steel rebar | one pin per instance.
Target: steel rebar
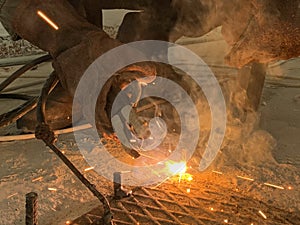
(31, 208)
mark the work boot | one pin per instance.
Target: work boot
(58, 112)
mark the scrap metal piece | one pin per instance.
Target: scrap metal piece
(31, 208)
(119, 191)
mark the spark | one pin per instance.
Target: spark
(188, 190)
(290, 188)
(52, 189)
(211, 209)
(262, 214)
(190, 178)
(68, 222)
(89, 168)
(226, 221)
(37, 179)
(186, 176)
(11, 195)
(245, 178)
(47, 19)
(274, 186)
(180, 170)
(217, 172)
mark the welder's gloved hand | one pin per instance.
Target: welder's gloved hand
(136, 105)
(141, 74)
(71, 64)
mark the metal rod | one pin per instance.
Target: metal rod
(119, 191)
(31, 208)
(43, 132)
(79, 175)
(17, 113)
(117, 183)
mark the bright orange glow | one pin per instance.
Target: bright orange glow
(49, 21)
(188, 190)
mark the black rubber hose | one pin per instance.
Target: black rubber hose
(22, 70)
(16, 96)
(50, 83)
(21, 86)
(17, 113)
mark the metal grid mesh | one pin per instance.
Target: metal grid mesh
(170, 204)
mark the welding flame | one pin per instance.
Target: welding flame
(179, 169)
